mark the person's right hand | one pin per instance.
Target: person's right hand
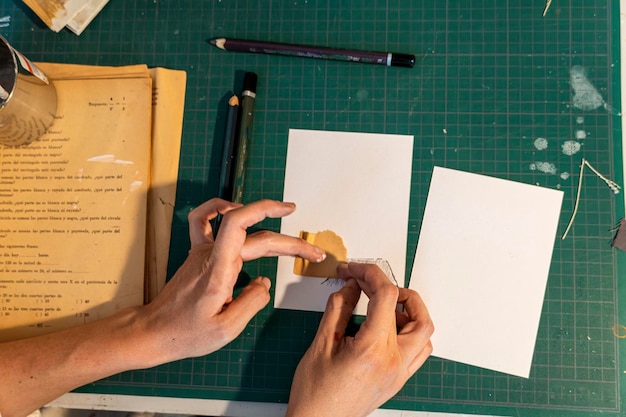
(352, 376)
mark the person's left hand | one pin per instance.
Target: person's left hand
(196, 314)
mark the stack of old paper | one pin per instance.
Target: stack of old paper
(75, 14)
(86, 211)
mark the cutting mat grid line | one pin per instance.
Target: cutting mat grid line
(493, 82)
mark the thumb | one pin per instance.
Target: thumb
(242, 309)
(338, 311)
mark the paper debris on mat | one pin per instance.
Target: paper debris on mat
(80, 21)
(75, 14)
(619, 240)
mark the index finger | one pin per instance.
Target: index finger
(200, 230)
(419, 321)
(383, 295)
(226, 255)
(414, 336)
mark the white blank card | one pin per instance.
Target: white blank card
(355, 184)
(482, 265)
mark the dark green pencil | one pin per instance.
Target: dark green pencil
(248, 97)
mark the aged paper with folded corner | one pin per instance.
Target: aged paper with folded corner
(75, 14)
(73, 205)
(55, 13)
(336, 253)
(83, 18)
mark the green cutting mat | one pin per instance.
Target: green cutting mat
(494, 78)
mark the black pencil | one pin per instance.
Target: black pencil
(390, 59)
(227, 171)
(225, 190)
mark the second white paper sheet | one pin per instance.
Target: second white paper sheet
(356, 184)
(481, 266)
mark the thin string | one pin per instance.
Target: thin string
(612, 185)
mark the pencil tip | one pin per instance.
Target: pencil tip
(234, 101)
(218, 42)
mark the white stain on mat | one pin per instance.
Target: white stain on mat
(564, 175)
(580, 134)
(183, 212)
(580, 120)
(545, 167)
(586, 95)
(362, 95)
(541, 143)
(570, 147)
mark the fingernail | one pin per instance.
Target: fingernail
(322, 257)
(351, 282)
(265, 282)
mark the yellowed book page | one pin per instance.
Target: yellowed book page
(76, 71)
(73, 210)
(168, 104)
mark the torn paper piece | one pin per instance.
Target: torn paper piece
(336, 253)
(619, 241)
